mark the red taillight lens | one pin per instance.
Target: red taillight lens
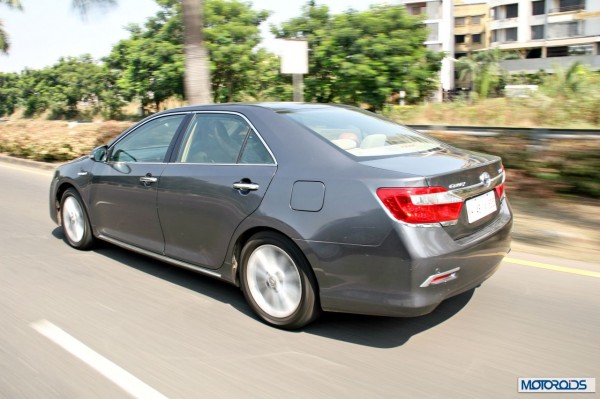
(421, 204)
(499, 190)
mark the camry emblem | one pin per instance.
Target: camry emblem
(485, 179)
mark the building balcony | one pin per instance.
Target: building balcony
(549, 64)
(497, 3)
(467, 30)
(565, 30)
(578, 7)
(504, 23)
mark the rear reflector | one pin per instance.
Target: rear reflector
(440, 278)
(421, 205)
(499, 189)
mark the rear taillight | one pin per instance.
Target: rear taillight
(420, 205)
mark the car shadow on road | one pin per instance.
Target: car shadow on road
(202, 284)
(373, 331)
(385, 332)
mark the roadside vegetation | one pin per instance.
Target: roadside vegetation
(565, 99)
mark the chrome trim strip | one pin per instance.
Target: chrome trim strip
(221, 164)
(479, 188)
(163, 258)
(451, 276)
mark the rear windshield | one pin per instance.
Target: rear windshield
(361, 133)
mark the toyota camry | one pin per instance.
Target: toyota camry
(305, 207)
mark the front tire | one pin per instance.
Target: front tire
(75, 221)
(277, 281)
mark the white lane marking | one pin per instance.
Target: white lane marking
(116, 374)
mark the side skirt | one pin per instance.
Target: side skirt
(162, 258)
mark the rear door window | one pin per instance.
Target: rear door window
(222, 139)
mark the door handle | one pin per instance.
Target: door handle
(148, 179)
(246, 186)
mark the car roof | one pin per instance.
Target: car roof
(275, 106)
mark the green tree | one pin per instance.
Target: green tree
(314, 25)
(150, 63)
(4, 42)
(364, 57)
(265, 82)
(64, 88)
(9, 93)
(231, 34)
(483, 70)
(197, 74)
(575, 80)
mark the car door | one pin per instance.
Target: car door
(220, 175)
(124, 187)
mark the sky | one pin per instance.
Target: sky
(47, 30)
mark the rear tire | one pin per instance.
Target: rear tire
(277, 281)
(75, 221)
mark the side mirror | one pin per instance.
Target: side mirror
(99, 154)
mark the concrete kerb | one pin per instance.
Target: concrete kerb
(28, 162)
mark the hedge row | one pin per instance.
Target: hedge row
(566, 166)
(551, 165)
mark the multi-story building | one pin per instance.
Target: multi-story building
(440, 22)
(546, 33)
(470, 26)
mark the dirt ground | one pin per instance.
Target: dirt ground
(550, 224)
(564, 228)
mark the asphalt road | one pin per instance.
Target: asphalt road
(112, 324)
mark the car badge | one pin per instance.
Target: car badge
(485, 179)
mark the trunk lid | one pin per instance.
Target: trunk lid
(468, 174)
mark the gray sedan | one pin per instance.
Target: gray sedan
(306, 207)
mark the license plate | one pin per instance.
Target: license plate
(480, 207)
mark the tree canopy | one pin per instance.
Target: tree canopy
(150, 63)
(4, 41)
(9, 93)
(364, 57)
(359, 58)
(64, 88)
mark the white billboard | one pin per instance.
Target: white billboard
(294, 56)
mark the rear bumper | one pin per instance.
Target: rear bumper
(386, 279)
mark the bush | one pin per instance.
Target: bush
(565, 166)
(55, 141)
